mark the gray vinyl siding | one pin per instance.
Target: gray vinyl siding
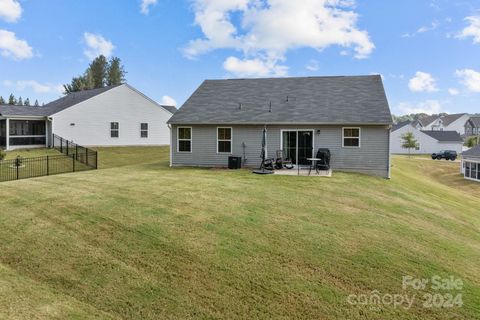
(372, 157)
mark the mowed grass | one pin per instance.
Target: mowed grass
(145, 241)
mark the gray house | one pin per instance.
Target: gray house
(348, 115)
(472, 127)
(471, 164)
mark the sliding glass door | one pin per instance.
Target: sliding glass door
(297, 145)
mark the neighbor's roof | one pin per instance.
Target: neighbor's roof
(401, 125)
(427, 120)
(449, 118)
(475, 121)
(473, 152)
(309, 100)
(444, 136)
(63, 103)
(171, 109)
(54, 106)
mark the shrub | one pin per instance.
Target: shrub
(472, 142)
(3, 154)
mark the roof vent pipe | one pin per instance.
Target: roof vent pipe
(270, 110)
(240, 106)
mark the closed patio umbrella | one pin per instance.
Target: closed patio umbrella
(263, 155)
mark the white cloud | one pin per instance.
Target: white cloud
(269, 28)
(97, 45)
(14, 48)
(472, 30)
(453, 91)
(422, 82)
(312, 65)
(254, 67)
(10, 10)
(470, 79)
(37, 87)
(168, 101)
(429, 107)
(434, 25)
(146, 4)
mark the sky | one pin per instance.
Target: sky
(427, 51)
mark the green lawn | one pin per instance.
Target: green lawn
(144, 241)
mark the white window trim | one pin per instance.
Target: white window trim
(148, 127)
(118, 130)
(231, 140)
(464, 169)
(178, 139)
(359, 138)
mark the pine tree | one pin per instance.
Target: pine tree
(20, 101)
(11, 100)
(36, 103)
(2, 101)
(98, 70)
(116, 72)
(26, 102)
(99, 73)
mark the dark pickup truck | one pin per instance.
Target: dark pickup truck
(447, 155)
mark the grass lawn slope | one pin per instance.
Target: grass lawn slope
(137, 239)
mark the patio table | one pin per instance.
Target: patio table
(313, 163)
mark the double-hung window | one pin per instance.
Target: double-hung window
(184, 139)
(224, 140)
(114, 129)
(351, 137)
(143, 130)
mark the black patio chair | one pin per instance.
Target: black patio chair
(282, 161)
(325, 155)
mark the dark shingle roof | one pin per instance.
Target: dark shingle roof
(449, 118)
(54, 106)
(427, 120)
(444, 136)
(321, 100)
(473, 152)
(401, 125)
(171, 109)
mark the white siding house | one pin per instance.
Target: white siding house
(111, 116)
(428, 141)
(450, 122)
(89, 123)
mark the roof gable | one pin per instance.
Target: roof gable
(401, 125)
(475, 122)
(427, 120)
(450, 118)
(326, 100)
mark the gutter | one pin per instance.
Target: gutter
(282, 123)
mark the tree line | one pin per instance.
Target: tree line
(99, 73)
(18, 102)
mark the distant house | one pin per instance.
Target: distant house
(472, 127)
(429, 141)
(450, 122)
(348, 115)
(111, 116)
(471, 164)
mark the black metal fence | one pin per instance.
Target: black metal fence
(74, 158)
(82, 154)
(23, 168)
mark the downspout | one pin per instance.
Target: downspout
(171, 144)
(389, 174)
